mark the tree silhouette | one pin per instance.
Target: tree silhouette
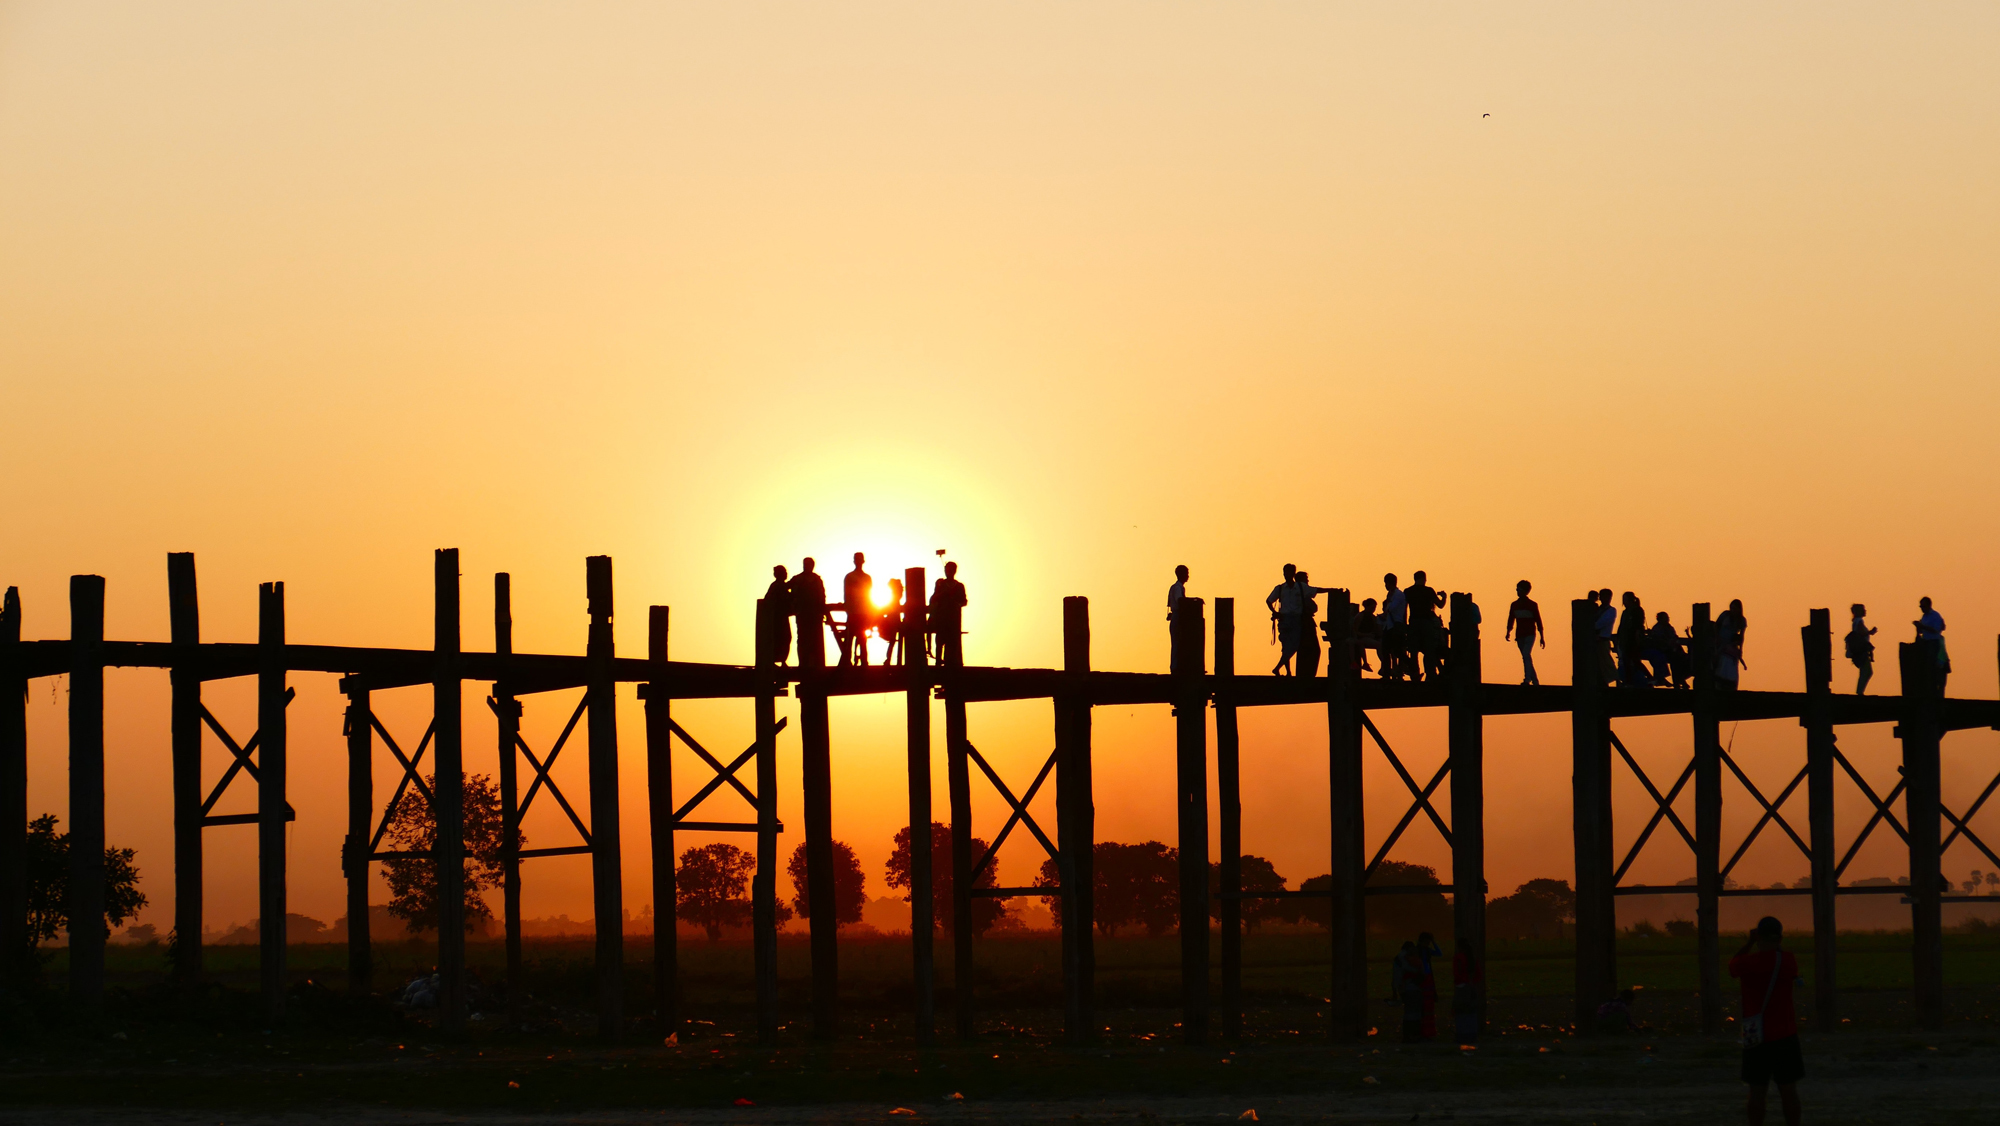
(708, 887)
(986, 910)
(1258, 875)
(413, 891)
(48, 883)
(1133, 885)
(1537, 909)
(850, 891)
(1402, 916)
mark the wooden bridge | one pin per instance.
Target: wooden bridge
(1922, 715)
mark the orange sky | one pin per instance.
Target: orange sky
(1703, 309)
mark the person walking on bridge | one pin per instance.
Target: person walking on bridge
(1525, 619)
(1861, 648)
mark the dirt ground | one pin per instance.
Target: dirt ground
(1856, 1077)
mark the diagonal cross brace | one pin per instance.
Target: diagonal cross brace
(1664, 808)
(1020, 807)
(1770, 814)
(543, 766)
(1423, 797)
(241, 756)
(1881, 811)
(727, 774)
(410, 776)
(1960, 826)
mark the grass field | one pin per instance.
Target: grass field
(152, 1056)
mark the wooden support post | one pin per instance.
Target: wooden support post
(917, 734)
(958, 783)
(1077, 832)
(86, 790)
(660, 815)
(1467, 737)
(817, 794)
(272, 771)
(1229, 806)
(764, 885)
(354, 851)
(184, 726)
(507, 737)
(1923, 690)
(1707, 821)
(448, 755)
(606, 856)
(1191, 772)
(1590, 796)
(1348, 1008)
(1817, 638)
(13, 802)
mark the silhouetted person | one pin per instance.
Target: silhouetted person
(1770, 1026)
(1308, 662)
(889, 625)
(1406, 987)
(1607, 628)
(1426, 631)
(1631, 641)
(1428, 948)
(1861, 648)
(1175, 593)
(1367, 634)
(1283, 602)
(1524, 625)
(808, 604)
(778, 619)
(946, 616)
(1395, 649)
(1930, 628)
(1730, 627)
(857, 592)
(1666, 653)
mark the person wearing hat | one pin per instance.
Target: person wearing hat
(1770, 1027)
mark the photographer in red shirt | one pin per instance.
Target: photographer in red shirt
(1770, 1028)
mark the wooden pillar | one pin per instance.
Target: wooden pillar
(958, 783)
(817, 799)
(86, 790)
(1920, 730)
(1590, 797)
(354, 851)
(917, 727)
(1817, 638)
(184, 726)
(1707, 821)
(507, 737)
(1467, 737)
(13, 801)
(1077, 831)
(448, 751)
(764, 885)
(1229, 806)
(660, 816)
(1348, 1009)
(606, 854)
(1191, 773)
(272, 771)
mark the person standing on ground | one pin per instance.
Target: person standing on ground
(1770, 1027)
(1406, 988)
(1525, 619)
(1395, 651)
(1467, 975)
(779, 620)
(1730, 627)
(1930, 627)
(1175, 593)
(1428, 948)
(1860, 648)
(947, 610)
(1607, 628)
(1283, 602)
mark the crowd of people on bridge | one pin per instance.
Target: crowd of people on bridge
(938, 624)
(1406, 634)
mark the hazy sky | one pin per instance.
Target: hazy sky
(1693, 300)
